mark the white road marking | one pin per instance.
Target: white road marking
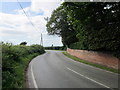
(89, 78)
(34, 82)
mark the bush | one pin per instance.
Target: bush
(14, 61)
(78, 45)
(55, 48)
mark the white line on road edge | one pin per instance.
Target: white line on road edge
(34, 82)
(95, 67)
(89, 78)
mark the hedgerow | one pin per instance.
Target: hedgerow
(15, 59)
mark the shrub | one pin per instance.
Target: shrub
(14, 61)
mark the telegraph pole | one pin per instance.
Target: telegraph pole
(41, 40)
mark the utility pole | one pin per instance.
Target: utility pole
(41, 40)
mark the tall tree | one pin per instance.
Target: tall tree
(61, 26)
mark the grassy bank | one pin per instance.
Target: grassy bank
(15, 59)
(89, 63)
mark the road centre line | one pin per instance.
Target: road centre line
(89, 78)
(33, 78)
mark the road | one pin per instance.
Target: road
(54, 70)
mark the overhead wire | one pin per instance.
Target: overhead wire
(41, 42)
(26, 15)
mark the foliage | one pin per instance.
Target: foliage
(61, 26)
(14, 61)
(55, 48)
(97, 24)
(78, 45)
(23, 43)
(88, 25)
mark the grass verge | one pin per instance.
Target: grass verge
(92, 64)
(21, 70)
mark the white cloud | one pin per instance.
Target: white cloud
(45, 5)
(27, 9)
(17, 28)
(41, 6)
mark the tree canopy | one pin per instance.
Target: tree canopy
(97, 24)
(87, 25)
(23, 43)
(61, 26)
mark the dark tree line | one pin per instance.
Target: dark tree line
(87, 25)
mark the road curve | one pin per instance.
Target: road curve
(54, 70)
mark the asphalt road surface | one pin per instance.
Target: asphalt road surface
(54, 70)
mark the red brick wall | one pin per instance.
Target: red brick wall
(96, 57)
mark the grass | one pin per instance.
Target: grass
(92, 64)
(20, 70)
(23, 68)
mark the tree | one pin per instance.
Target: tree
(97, 24)
(61, 26)
(23, 43)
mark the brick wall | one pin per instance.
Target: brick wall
(96, 57)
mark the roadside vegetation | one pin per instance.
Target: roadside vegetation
(15, 59)
(90, 63)
(55, 48)
(87, 26)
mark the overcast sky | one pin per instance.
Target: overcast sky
(15, 26)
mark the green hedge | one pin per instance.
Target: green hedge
(55, 48)
(78, 45)
(15, 59)
(95, 47)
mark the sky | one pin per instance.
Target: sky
(15, 27)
